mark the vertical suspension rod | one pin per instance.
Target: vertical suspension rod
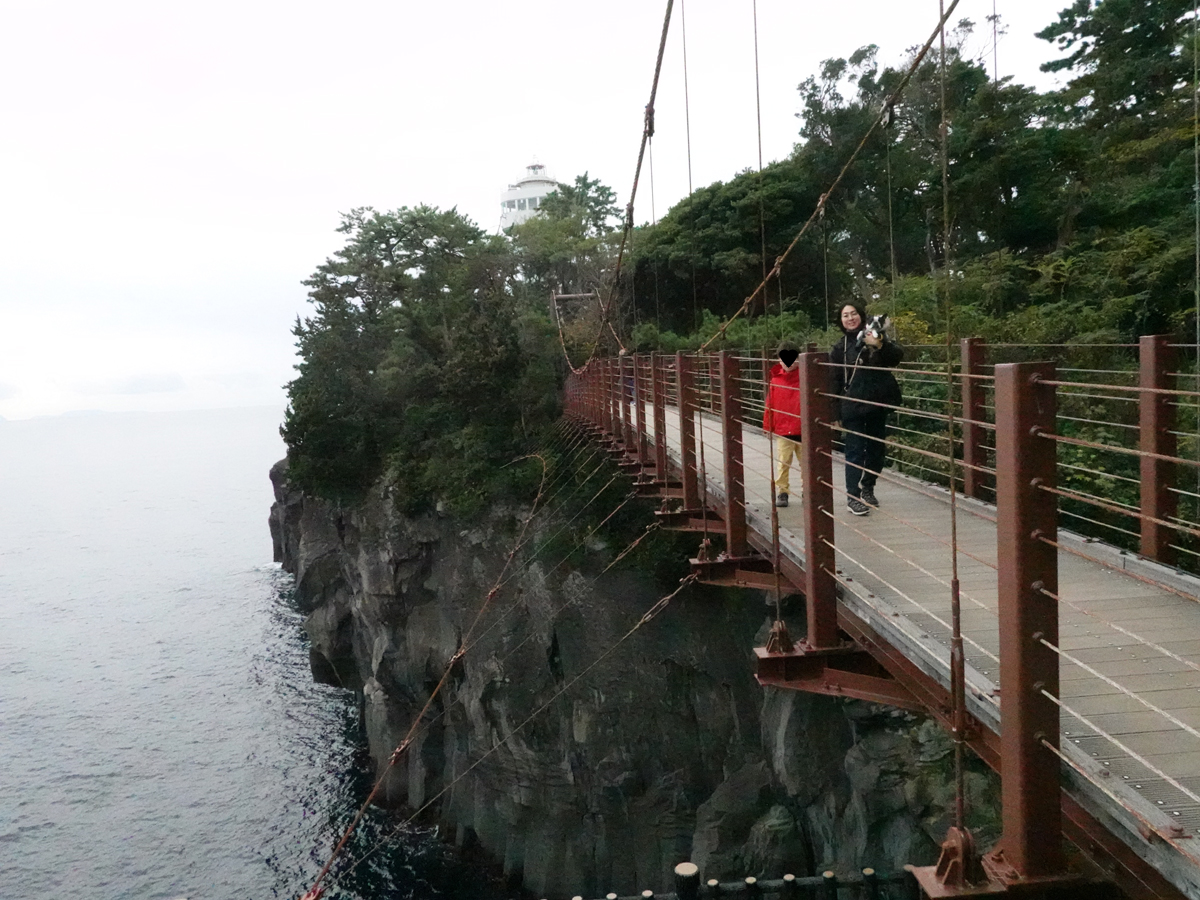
(957, 658)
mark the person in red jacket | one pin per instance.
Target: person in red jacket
(781, 418)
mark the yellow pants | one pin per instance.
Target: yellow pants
(786, 450)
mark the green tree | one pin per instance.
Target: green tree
(1129, 101)
(587, 201)
(418, 364)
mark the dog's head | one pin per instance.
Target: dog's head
(875, 327)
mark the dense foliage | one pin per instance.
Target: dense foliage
(1071, 210)
(418, 363)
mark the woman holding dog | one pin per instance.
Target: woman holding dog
(861, 361)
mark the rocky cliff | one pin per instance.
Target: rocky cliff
(667, 750)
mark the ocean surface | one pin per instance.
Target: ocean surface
(160, 733)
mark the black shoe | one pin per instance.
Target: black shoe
(868, 497)
(857, 507)
(782, 500)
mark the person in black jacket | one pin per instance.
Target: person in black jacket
(860, 363)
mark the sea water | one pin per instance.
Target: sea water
(160, 732)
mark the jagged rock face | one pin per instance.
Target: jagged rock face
(665, 749)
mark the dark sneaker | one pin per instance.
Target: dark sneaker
(782, 500)
(857, 507)
(868, 497)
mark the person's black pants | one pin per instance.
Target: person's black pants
(865, 451)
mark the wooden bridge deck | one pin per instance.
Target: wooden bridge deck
(1135, 623)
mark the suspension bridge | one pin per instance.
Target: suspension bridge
(1080, 658)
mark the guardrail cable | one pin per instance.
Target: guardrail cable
(901, 593)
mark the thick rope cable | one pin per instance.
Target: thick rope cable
(647, 133)
(821, 203)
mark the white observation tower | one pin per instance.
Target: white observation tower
(522, 199)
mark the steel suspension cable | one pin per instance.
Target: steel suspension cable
(821, 203)
(891, 222)
(762, 226)
(957, 657)
(654, 222)
(1196, 209)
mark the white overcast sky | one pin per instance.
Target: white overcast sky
(170, 172)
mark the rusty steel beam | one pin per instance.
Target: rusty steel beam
(595, 394)
(690, 520)
(816, 472)
(624, 389)
(735, 476)
(974, 452)
(751, 572)
(1156, 422)
(1025, 462)
(934, 699)
(849, 672)
(659, 392)
(639, 411)
(614, 400)
(791, 572)
(686, 389)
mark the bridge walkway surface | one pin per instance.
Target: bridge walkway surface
(899, 558)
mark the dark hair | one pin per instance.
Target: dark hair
(786, 344)
(862, 315)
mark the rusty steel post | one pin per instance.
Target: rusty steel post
(614, 399)
(639, 410)
(685, 381)
(593, 400)
(1157, 421)
(973, 352)
(623, 391)
(1029, 772)
(659, 383)
(735, 475)
(816, 472)
(591, 393)
(606, 406)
